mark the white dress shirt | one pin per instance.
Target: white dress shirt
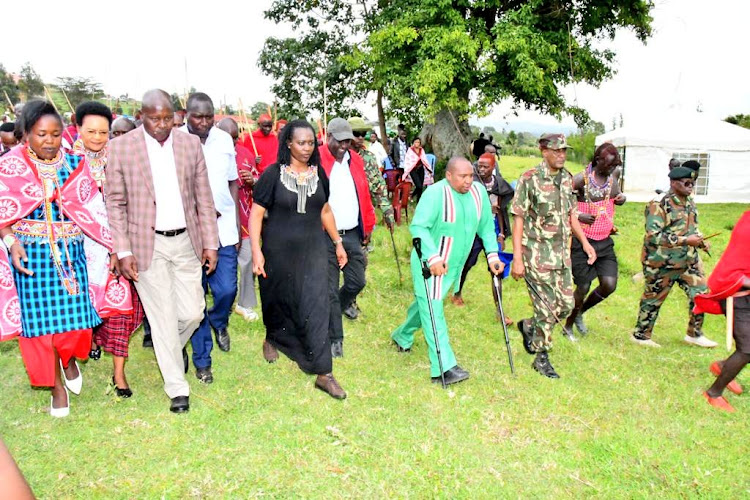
(222, 169)
(343, 195)
(379, 151)
(170, 213)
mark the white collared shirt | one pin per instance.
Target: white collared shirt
(222, 169)
(343, 195)
(170, 213)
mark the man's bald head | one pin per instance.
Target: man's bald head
(460, 174)
(673, 163)
(156, 98)
(456, 162)
(121, 126)
(229, 126)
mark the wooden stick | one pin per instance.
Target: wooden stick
(275, 116)
(72, 110)
(709, 237)
(249, 132)
(325, 112)
(12, 108)
(50, 98)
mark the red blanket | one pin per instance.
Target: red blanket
(731, 270)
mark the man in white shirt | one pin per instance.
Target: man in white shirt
(218, 149)
(163, 222)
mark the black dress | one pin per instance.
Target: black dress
(294, 295)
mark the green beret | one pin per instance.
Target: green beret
(681, 173)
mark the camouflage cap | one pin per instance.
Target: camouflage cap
(553, 141)
(681, 173)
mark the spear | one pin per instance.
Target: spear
(250, 132)
(325, 111)
(12, 108)
(50, 98)
(68, 100)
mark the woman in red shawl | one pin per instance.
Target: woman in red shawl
(730, 281)
(417, 169)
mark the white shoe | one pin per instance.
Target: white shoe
(246, 313)
(701, 341)
(646, 342)
(75, 385)
(60, 412)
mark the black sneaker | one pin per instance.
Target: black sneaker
(580, 325)
(337, 348)
(399, 348)
(526, 335)
(542, 365)
(452, 376)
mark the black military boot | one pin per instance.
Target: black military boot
(542, 365)
(526, 335)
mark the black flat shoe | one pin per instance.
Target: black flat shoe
(222, 339)
(526, 335)
(95, 354)
(452, 376)
(180, 404)
(121, 393)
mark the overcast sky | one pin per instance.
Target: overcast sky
(696, 57)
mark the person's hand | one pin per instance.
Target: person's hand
(209, 260)
(497, 268)
(366, 240)
(517, 269)
(586, 218)
(388, 219)
(439, 268)
(258, 159)
(619, 199)
(113, 266)
(18, 255)
(495, 209)
(706, 246)
(259, 262)
(694, 240)
(341, 257)
(501, 241)
(247, 178)
(590, 252)
(128, 268)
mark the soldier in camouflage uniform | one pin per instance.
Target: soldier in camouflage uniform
(378, 191)
(670, 255)
(545, 220)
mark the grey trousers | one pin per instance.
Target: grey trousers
(247, 298)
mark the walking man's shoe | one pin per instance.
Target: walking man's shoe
(542, 365)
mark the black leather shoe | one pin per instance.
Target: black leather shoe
(337, 348)
(452, 376)
(180, 404)
(121, 393)
(204, 375)
(542, 365)
(147, 342)
(95, 354)
(351, 312)
(399, 348)
(185, 359)
(222, 339)
(580, 325)
(526, 335)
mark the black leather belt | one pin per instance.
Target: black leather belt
(171, 232)
(342, 232)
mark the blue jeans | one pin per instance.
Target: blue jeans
(223, 285)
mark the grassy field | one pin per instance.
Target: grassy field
(624, 421)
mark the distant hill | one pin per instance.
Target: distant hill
(535, 128)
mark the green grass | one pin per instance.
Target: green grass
(623, 421)
(511, 167)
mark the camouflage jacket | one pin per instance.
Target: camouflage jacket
(546, 202)
(378, 191)
(669, 222)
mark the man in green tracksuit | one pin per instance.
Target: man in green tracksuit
(449, 214)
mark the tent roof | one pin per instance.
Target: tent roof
(680, 131)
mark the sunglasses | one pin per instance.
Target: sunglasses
(358, 134)
(688, 183)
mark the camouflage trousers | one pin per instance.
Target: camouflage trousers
(556, 287)
(658, 284)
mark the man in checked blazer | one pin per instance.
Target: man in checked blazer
(163, 222)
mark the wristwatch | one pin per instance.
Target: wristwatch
(9, 240)
(338, 241)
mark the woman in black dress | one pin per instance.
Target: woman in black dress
(292, 263)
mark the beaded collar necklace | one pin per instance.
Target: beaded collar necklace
(303, 183)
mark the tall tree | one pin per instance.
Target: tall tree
(443, 60)
(7, 88)
(79, 89)
(30, 84)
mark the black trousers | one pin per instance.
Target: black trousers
(354, 281)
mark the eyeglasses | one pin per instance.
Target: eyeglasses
(358, 134)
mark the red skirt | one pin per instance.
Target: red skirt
(38, 353)
(114, 333)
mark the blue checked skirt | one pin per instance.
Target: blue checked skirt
(46, 306)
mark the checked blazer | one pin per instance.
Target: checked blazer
(131, 203)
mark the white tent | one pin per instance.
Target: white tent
(647, 146)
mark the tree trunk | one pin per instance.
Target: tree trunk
(381, 121)
(447, 135)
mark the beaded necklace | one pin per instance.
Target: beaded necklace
(97, 160)
(303, 183)
(594, 190)
(47, 171)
